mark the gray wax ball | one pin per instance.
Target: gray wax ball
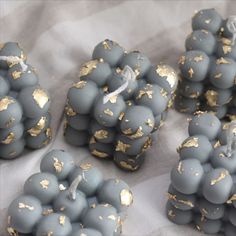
(177, 216)
(36, 126)
(58, 162)
(181, 201)
(208, 19)
(78, 121)
(97, 71)
(224, 31)
(92, 178)
(128, 163)
(137, 61)
(10, 112)
(207, 226)
(75, 137)
(20, 79)
(82, 95)
(54, 224)
(194, 65)
(86, 232)
(4, 86)
(187, 175)
(11, 151)
(117, 79)
(196, 147)
(10, 135)
(164, 76)
(226, 49)
(101, 133)
(35, 101)
(222, 73)
(10, 49)
(44, 186)
(201, 40)
(137, 126)
(186, 105)
(152, 96)
(73, 208)
(110, 51)
(103, 218)
(229, 230)
(217, 186)
(107, 114)
(116, 193)
(204, 124)
(24, 213)
(210, 210)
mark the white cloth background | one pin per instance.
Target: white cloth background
(60, 35)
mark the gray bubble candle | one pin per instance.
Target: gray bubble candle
(118, 104)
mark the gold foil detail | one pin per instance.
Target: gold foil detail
(47, 212)
(121, 115)
(149, 123)
(9, 138)
(113, 99)
(62, 187)
(218, 76)
(86, 166)
(182, 60)
(80, 84)
(44, 183)
(217, 144)
(211, 97)
(25, 206)
(62, 220)
(126, 197)
(222, 61)
(198, 58)
(69, 110)
(58, 165)
(12, 232)
(208, 21)
(122, 147)
(233, 198)
(16, 74)
(222, 175)
(171, 214)
(139, 133)
(226, 49)
(106, 45)
(101, 134)
(5, 102)
(127, 131)
(191, 72)
(108, 112)
(174, 198)
(88, 67)
(99, 154)
(50, 233)
(193, 142)
(40, 97)
(148, 93)
(35, 131)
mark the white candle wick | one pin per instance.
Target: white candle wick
(231, 25)
(231, 138)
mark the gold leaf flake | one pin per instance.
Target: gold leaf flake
(16, 74)
(47, 212)
(205, 31)
(169, 73)
(180, 168)
(101, 134)
(149, 123)
(171, 214)
(139, 133)
(148, 93)
(62, 187)
(127, 131)
(226, 41)
(111, 217)
(163, 92)
(62, 220)
(193, 142)
(5, 102)
(121, 115)
(80, 84)
(232, 198)
(108, 112)
(226, 49)
(218, 76)
(147, 144)
(211, 97)
(69, 110)
(113, 99)
(191, 72)
(35, 131)
(92, 140)
(222, 61)
(122, 147)
(86, 166)
(88, 67)
(9, 122)
(25, 206)
(12, 232)
(50, 233)
(40, 97)
(182, 60)
(2, 45)
(198, 58)
(58, 165)
(208, 21)
(44, 183)
(106, 45)
(217, 144)
(126, 197)
(9, 138)
(100, 218)
(222, 175)
(99, 154)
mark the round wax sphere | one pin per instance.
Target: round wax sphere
(57, 162)
(92, 178)
(222, 73)
(87, 232)
(224, 31)
(110, 51)
(82, 96)
(208, 19)
(24, 213)
(10, 49)
(186, 176)
(201, 40)
(54, 224)
(35, 101)
(116, 193)
(4, 86)
(73, 208)
(102, 218)
(10, 112)
(97, 71)
(44, 186)
(20, 79)
(217, 186)
(137, 61)
(78, 121)
(226, 49)
(204, 124)
(194, 65)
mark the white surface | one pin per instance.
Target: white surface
(59, 36)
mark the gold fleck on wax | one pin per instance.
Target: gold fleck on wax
(193, 142)
(35, 131)
(58, 165)
(217, 144)
(101, 134)
(121, 115)
(44, 183)
(62, 187)
(148, 93)
(12, 232)
(127, 131)
(218, 76)
(16, 74)
(208, 21)
(126, 197)
(198, 58)
(108, 112)
(69, 110)
(9, 139)
(25, 206)
(5, 102)
(128, 166)
(222, 175)
(50, 233)
(138, 134)
(232, 198)
(122, 147)
(47, 212)
(106, 45)
(113, 99)
(80, 84)
(191, 72)
(85, 166)
(211, 97)
(88, 67)
(226, 49)
(40, 97)
(149, 123)
(171, 214)
(99, 153)
(62, 220)
(182, 60)
(222, 61)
